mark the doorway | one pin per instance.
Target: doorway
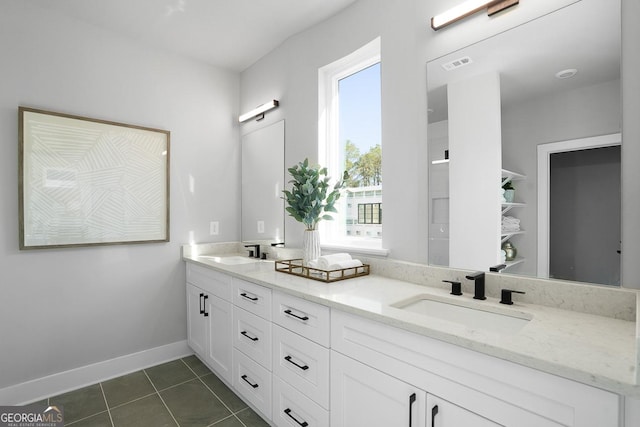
(579, 210)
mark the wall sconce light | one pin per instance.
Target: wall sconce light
(468, 8)
(258, 112)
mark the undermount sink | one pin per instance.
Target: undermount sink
(231, 259)
(500, 321)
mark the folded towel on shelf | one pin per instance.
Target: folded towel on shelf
(510, 220)
(352, 263)
(326, 260)
(510, 228)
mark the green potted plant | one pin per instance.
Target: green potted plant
(509, 191)
(309, 201)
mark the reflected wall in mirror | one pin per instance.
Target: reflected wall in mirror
(539, 104)
(262, 184)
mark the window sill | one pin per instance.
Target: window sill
(362, 248)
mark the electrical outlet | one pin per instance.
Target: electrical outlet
(214, 228)
(260, 226)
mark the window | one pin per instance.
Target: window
(350, 139)
(370, 213)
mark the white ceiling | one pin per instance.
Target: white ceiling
(228, 33)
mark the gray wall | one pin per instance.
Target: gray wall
(581, 113)
(65, 308)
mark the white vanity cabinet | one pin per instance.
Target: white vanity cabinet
(209, 315)
(252, 340)
(364, 396)
(301, 362)
(469, 386)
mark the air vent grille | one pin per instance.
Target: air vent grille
(457, 63)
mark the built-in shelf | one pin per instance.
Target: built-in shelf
(510, 264)
(508, 176)
(507, 206)
(507, 235)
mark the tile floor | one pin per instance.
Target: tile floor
(181, 393)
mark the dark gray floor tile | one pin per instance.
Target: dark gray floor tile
(229, 422)
(145, 412)
(193, 405)
(251, 419)
(100, 420)
(224, 393)
(81, 403)
(168, 374)
(127, 388)
(196, 365)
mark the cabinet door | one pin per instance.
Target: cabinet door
(196, 323)
(219, 327)
(363, 396)
(441, 413)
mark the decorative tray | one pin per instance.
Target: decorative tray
(295, 267)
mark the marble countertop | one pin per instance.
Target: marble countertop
(593, 349)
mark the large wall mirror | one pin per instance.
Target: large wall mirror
(496, 109)
(262, 184)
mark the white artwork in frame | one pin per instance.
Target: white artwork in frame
(85, 182)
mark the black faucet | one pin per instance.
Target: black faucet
(254, 253)
(497, 268)
(478, 278)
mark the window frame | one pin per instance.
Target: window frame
(333, 233)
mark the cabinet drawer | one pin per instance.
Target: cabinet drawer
(302, 363)
(218, 284)
(293, 409)
(254, 298)
(253, 382)
(252, 336)
(306, 318)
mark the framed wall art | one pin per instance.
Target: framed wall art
(85, 182)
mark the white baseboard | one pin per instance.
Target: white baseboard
(38, 389)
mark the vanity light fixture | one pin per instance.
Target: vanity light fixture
(468, 8)
(445, 160)
(258, 112)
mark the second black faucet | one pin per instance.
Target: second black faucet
(478, 279)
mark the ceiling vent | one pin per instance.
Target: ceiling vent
(457, 63)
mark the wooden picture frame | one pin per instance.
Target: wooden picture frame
(86, 182)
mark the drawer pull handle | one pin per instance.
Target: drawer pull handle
(412, 399)
(301, 424)
(250, 298)
(201, 304)
(206, 297)
(434, 412)
(244, 377)
(292, 314)
(290, 360)
(249, 336)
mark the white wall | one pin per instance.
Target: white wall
(65, 308)
(290, 72)
(630, 144)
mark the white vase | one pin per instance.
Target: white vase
(310, 246)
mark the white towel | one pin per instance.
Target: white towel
(352, 263)
(326, 260)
